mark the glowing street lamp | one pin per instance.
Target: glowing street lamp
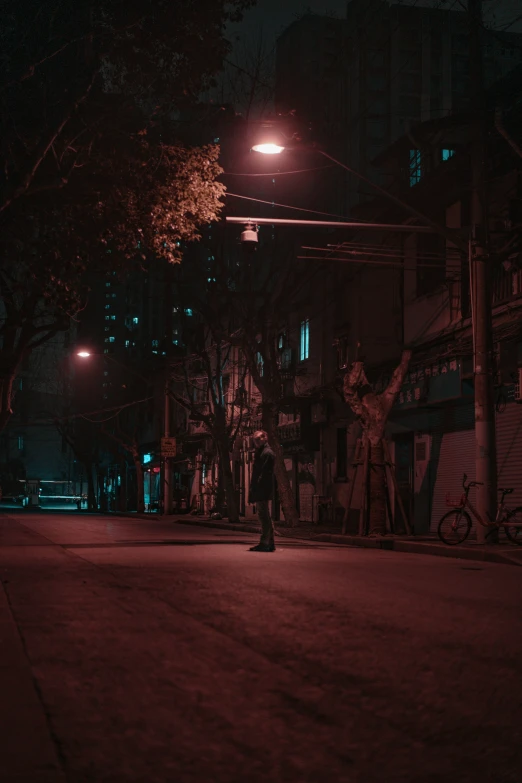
(84, 354)
(272, 142)
(268, 149)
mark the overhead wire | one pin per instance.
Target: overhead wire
(275, 173)
(84, 414)
(288, 206)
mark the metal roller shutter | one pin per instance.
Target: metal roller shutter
(306, 496)
(456, 456)
(509, 452)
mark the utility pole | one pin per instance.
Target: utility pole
(167, 467)
(480, 276)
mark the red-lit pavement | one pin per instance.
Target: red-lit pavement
(137, 650)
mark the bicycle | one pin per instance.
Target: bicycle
(455, 526)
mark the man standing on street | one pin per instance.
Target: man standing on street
(262, 490)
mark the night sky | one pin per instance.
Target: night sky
(272, 16)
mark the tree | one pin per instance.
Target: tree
(248, 80)
(372, 411)
(84, 442)
(164, 192)
(199, 387)
(127, 438)
(70, 69)
(91, 173)
(262, 301)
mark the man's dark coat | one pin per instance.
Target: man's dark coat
(262, 481)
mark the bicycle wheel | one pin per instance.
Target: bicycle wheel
(514, 533)
(454, 527)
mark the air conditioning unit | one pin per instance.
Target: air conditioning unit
(505, 356)
(518, 386)
(197, 428)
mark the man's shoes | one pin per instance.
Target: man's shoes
(263, 548)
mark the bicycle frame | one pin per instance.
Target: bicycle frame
(499, 521)
(469, 505)
(455, 526)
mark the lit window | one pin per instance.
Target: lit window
(281, 342)
(20, 442)
(107, 307)
(107, 318)
(415, 169)
(113, 317)
(304, 342)
(110, 339)
(155, 343)
(135, 320)
(20, 384)
(107, 285)
(147, 458)
(127, 343)
(175, 342)
(188, 311)
(447, 154)
(260, 363)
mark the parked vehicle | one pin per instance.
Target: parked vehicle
(455, 526)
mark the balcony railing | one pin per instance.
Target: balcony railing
(506, 284)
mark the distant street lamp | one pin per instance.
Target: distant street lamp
(84, 353)
(167, 472)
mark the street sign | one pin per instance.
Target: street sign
(168, 447)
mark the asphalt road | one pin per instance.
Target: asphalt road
(144, 651)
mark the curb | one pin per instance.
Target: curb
(387, 544)
(218, 525)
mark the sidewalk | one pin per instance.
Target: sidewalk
(505, 554)
(29, 754)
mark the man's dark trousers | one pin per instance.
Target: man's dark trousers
(267, 526)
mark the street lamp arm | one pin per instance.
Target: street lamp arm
(437, 228)
(126, 368)
(409, 229)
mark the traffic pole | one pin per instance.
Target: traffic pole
(167, 467)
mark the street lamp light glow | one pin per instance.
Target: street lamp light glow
(268, 149)
(83, 354)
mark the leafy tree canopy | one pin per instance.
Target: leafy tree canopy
(72, 71)
(92, 175)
